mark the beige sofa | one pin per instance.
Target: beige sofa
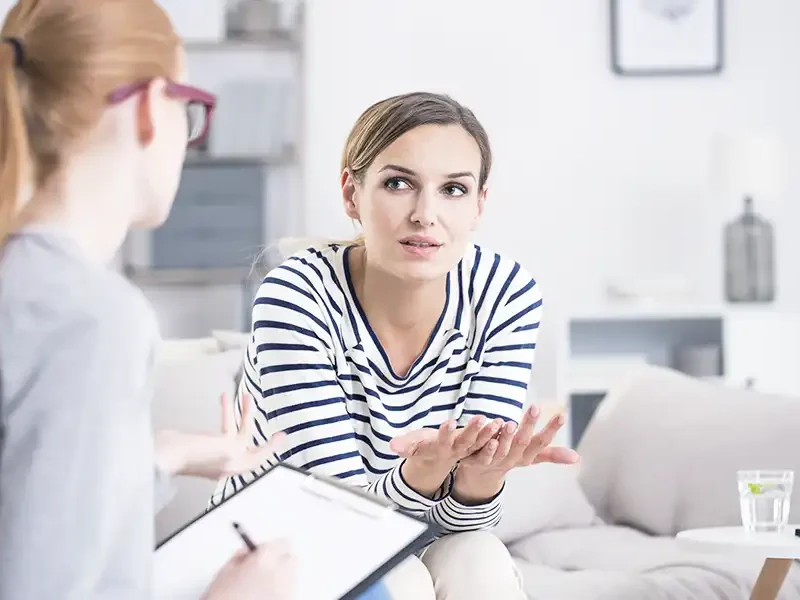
(191, 375)
(659, 456)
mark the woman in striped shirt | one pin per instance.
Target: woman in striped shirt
(400, 362)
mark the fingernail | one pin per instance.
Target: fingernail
(561, 419)
(534, 410)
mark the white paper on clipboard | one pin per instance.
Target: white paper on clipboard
(339, 536)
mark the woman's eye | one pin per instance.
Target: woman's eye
(396, 184)
(454, 190)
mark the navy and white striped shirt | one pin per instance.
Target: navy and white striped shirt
(319, 373)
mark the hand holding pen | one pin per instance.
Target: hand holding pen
(245, 538)
(257, 571)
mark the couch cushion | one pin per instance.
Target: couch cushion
(662, 450)
(547, 583)
(543, 497)
(187, 397)
(624, 564)
(230, 340)
(189, 348)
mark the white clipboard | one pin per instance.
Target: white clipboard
(344, 539)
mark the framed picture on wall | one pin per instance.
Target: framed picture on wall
(667, 37)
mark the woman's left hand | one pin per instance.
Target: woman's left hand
(216, 456)
(519, 447)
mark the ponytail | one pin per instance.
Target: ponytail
(14, 150)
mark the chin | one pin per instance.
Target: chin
(419, 276)
(152, 221)
(420, 269)
(421, 272)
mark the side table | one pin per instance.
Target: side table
(777, 549)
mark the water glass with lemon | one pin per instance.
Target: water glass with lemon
(765, 498)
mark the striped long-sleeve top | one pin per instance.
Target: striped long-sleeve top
(318, 373)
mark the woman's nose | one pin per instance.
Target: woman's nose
(424, 213)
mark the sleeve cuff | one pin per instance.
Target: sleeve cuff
(496, 499)
(455, 516)
(396, 489)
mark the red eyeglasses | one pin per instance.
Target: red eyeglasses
(199, 105)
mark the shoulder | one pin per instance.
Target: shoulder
(72, 321)
(306, 290)
(309, 273)
(95, 319)
(53, 292)
(493, 276)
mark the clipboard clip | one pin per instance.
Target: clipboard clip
(347, 496)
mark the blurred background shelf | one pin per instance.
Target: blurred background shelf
(272, 43)
(241, 193)
(288, 157)
(736, 345)
(190, 277)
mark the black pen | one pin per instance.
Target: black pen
(245, 538)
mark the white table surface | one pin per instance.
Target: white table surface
(736, 539)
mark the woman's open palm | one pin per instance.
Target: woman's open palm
(237, 446)
(489, 447)
(446, 445)
(214, 456)
(521, 446)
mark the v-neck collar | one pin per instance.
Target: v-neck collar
(364, 322)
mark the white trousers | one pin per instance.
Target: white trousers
(460, 566)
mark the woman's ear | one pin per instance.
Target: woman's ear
(145, 109)
(349, 193)
(481, 203)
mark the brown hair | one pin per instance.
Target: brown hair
(385, 121)
(59, 61)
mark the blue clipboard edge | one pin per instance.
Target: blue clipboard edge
(425, 538)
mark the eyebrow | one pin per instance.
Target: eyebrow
(408, 171)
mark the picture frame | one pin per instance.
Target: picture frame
(651, 38)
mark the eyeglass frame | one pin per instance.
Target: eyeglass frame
(178, 91)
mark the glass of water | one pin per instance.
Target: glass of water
(765, 498)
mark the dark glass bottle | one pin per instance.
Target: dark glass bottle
(749, 257)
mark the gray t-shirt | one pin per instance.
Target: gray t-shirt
(77, 344)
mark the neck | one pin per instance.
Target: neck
(393, 305)
(91, 203)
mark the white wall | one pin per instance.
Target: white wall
(596, 176)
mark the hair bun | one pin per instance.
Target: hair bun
(19, 50)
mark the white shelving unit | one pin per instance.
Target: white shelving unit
(257, 125)
(752, 346)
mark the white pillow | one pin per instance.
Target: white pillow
(187, 397)
(662, 451)
(540, 498)
(174, 349)
(231, 340)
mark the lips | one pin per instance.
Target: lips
(419, 247)
(420, 242)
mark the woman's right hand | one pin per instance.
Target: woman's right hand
(266, 573)
(431, 454)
